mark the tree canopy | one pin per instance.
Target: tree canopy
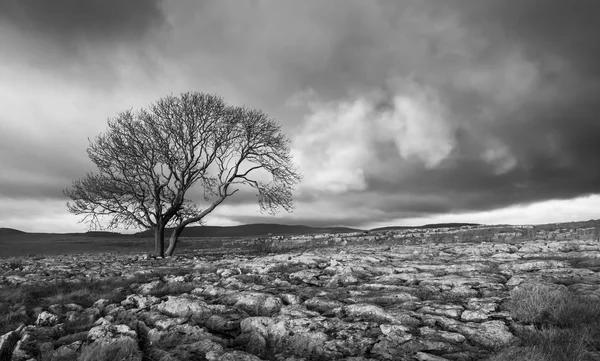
(149, 161)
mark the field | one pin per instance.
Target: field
(14, 243)
(470, 293)
(48, 244)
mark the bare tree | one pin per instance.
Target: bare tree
(149, 160)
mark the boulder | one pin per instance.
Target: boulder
(491, 334)
(110, 333)
(148, 288)
(368, 312)
(46, 319)
(184, 307)
(139, 301)
(233, 356)
(8, 342)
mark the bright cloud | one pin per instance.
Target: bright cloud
(418, 124)
(338, 140)
(334, 144)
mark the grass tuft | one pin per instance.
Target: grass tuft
(15, 264)
(534, 303)
(567, 326)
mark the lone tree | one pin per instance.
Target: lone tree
(151, 160)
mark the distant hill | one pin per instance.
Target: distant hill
(10, 232)
(448, 225)
(246, 230)
(427, 226)
(389, 228)
(96, 234)
(260, 229)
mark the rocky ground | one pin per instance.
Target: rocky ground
(395, 295)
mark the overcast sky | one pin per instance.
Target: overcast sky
(399, 112)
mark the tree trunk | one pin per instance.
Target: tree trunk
(179, 229)
(173, 239)
(159, 240)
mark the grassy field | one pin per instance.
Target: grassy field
(16, 243)
(57, 244)
(566, 327)
(46, 244)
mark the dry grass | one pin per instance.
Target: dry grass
(521, 354)
(15, 264)
(173, 289)
(566, 326)
(554, 344)
(17, 302)
(533, 303)
(287, 267)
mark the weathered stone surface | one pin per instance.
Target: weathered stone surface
(369, 313)
(422, 356)
(403, 295)
(8, 342)
(138, 301)
(234, 356)
(492, 334)
(258, 304)
(223, 325)
(529, 266)
(110, 332)
(452, 311)
(322, 305)
(46, 319)
(67, 351)
(290, 299)
(474, 316)
(197, 350)
(149, 287)
(433, 334)
(307, 276)
(184, 307)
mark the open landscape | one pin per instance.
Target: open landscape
(462, 293)
(244, 180)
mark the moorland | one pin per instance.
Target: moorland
(449, 293)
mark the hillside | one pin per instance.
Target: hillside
(246, 230)
(10, 232)
(259, 229)
(427, 226)
(96, 234)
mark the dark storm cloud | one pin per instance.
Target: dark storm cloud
(547, 28)
(520, 82)
(555, 142)
(273, 49)
(72, 22)
(89, 40)
(548, 139)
